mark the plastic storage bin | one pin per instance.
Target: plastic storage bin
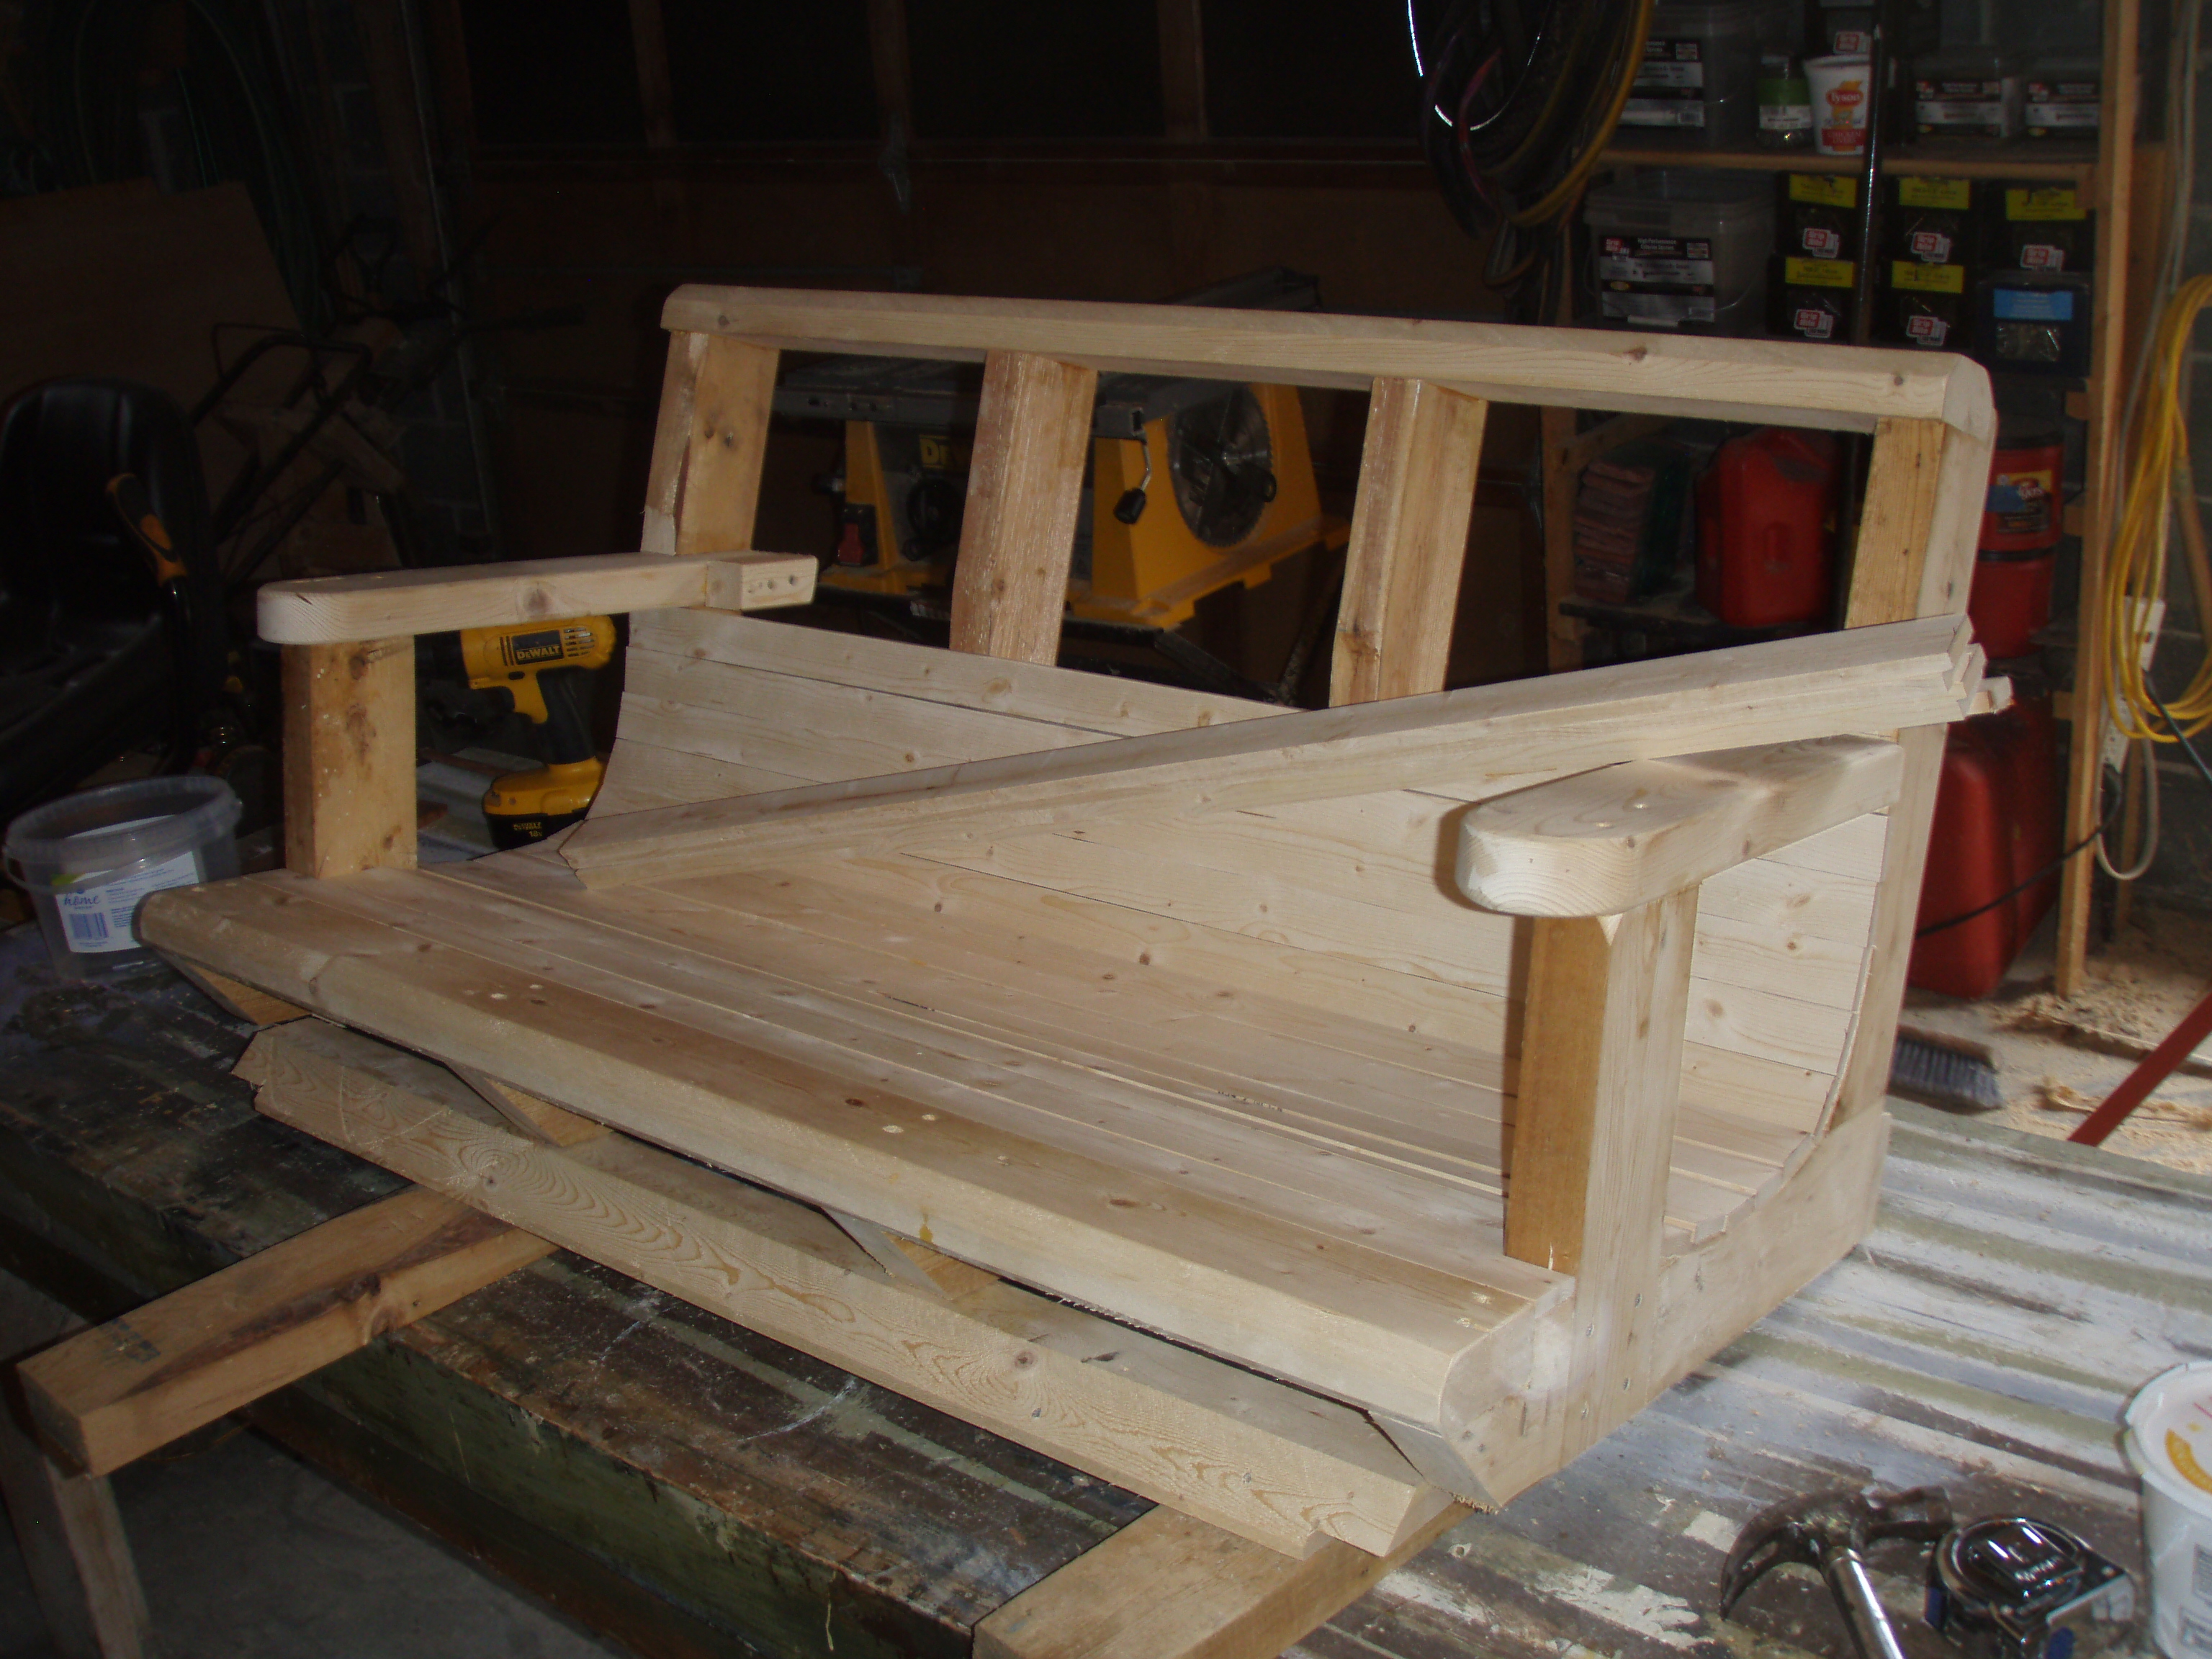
(88, 859)
(1699, 83)
(1682, 249)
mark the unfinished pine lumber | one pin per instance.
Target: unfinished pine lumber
(1179, 1009)
(1262, 1461)
(333, 610)
(1916, 673)
(109, 1395)
(1606, 841)
(1701, 377)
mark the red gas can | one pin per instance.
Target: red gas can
(1766, 514)
(1996, 826)
(2023, 511)
(2009, 600)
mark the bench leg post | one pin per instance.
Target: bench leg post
(1593, 1136)
(74, 1546)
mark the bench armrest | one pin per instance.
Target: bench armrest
(398, 604)
(1600, 843)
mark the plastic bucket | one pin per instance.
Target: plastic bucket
(1839, 104)
(88, 860)
(2169, 1441)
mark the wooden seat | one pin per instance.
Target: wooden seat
(1264, 1082)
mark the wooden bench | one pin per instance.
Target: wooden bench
(1306, 1120)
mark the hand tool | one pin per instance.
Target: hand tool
(541, 670)
(1832, 1530)
(2012, 1587)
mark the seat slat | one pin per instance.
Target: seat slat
(1343, 1318)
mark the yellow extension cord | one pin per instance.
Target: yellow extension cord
(1562, 197)
(2135, 567)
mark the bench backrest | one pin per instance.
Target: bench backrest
(1347, 905)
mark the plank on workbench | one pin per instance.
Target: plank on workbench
(109, 1395)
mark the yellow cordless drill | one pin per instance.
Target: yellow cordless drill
(542, 671)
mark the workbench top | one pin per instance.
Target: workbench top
(694, 1488)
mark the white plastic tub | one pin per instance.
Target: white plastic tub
(2169, 1441)
(88, 860)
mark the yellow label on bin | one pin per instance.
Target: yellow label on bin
(1927, 279)
(1817, 273)
(1956, 195)
(2045, 202)
(2183, 1456)
(1827, 189)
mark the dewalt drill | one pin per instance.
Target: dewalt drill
(541, 670)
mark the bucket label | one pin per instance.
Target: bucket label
(2183, 1456)
(97, 919)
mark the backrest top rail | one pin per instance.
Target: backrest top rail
(1842, 387)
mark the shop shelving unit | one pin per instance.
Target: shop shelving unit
(2106, 173)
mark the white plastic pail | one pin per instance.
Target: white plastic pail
(2169, 1441)
(88, 860)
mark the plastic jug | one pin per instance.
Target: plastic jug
(1766, 525)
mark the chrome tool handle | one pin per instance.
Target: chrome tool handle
(1871, 1631)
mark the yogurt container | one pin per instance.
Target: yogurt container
(2169, 1441)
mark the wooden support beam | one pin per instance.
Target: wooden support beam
(390, 604)
(656, 95)
(1417, 477)
(1267, 1461)
(382, 27)
(1562, 634)
(703, 490)
(1586, 1192)
(1902, 476)
(350, 757)
(891, 66)
(108, 1396)
(1168, 1587)
(1602, 842)
(1024, 490)
(1921, 519)
(1183, 70)
(1910, 674)
(74, 1551)
(1790, 382)
(2105, 489)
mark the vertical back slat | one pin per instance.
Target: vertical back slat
(1417, 477)
(1024, 490)
(703, 488)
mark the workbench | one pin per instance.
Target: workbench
(692, 1488)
